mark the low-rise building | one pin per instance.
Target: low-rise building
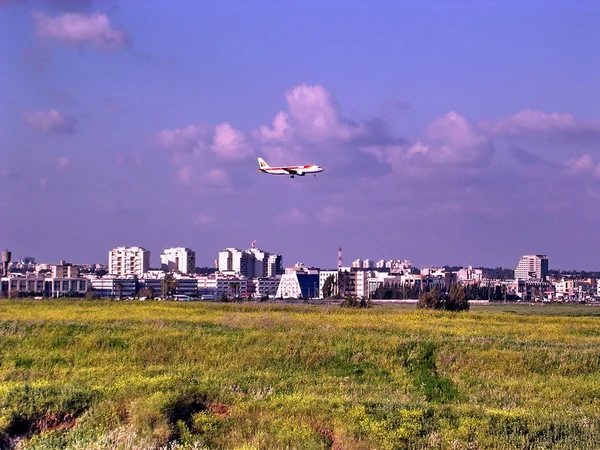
(298, 284)
(114, 287)
(265, 286)
(43, 286)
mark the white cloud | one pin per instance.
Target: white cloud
(584, 164)
(230, 143)
(63, 162)
(203, 219)
(294, 215)
(182, 137)
(50, 121)
(529, 121)
(450, 139)
(77, 28)
(223, 141)
(280, 127)
(331, 214)
(105, 205)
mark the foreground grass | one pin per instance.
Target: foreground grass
(96, 374)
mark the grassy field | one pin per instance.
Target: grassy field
(141, 375)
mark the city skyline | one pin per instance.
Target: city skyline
(360, 261)
(140, 125)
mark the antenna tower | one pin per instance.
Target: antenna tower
(339, 265)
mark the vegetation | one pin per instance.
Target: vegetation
(474, 291)
(328, 286)
(97, 374)
(455, 300)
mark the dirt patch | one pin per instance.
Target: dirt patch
(220, 410)
(23, 427)
(330, 439)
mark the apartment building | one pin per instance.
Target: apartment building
(532, 267)
(181, 259)
(124, 261)
(251, 263)
(65, 270)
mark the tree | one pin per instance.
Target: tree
(91, 294)
(342, 283)
(168, 285)
(457, 299)
(119, 289)
(146, 292)
(349, 302)
(431, 299)
(328, 286)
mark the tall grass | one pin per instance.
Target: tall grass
(98, 374)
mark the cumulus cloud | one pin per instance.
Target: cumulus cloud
(294, 215)
(187, 137)
(223, 140)
(584, 164)
(63, 162)
(113, 105)
(81, 29)
(202, 177)
(280, 127)
(534, 122)
(331, 214)
(528, 158)
(230, 143)
(313, 129)
(316, 113)
(105, 205)
(36, 58)
(50, 121)
(203, 219)
(454, 140)
(8, 175)
(448, 140)
(314, 117)
(67, 5)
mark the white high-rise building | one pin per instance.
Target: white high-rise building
(233, 261)
(178, 258)
(256, 263)
(532, 267)
(123, 261)
(251, 263)
(225, 261)
(274, 266)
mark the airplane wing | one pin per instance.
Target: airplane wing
(289, 170)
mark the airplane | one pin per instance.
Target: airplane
(288, 170)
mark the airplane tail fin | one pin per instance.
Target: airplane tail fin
(262, 164)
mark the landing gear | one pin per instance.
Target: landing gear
(291, 176)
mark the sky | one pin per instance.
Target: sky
(451, 132)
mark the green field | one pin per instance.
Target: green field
(101, 374)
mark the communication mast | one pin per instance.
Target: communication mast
(339, 265)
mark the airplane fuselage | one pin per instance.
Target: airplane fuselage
(292, 170)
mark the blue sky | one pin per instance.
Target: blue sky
(451, 132)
